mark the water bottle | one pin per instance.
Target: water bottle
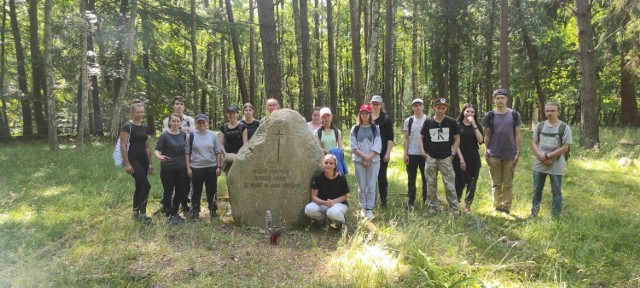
(268, 223)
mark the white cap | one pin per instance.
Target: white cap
(376, 98)
(325, 110)
(417, 100)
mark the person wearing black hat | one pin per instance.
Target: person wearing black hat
(203, 165)
(439, 142)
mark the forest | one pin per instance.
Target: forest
(71, 69)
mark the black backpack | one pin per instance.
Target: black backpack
(319, 131)
(491, 115)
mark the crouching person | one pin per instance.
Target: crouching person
(329, 194)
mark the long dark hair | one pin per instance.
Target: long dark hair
(464, 108)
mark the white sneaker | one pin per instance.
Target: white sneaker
(229, 213)
(370, 215)
(363, 213)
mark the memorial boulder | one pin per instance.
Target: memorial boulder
(273, 171)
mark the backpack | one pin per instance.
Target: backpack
(374, 130)
(319, 131)
(561, 129)
(491, 115)
(191, 136)
(117, 154)
(411, 123)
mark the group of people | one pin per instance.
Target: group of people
(190, 156)
(439, 144)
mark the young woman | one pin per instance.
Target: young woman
(315, 122)
(203, 165)
(171, 150)
(326, 136)
(137, 161)
(365, 148)
(233, 133)
(329, 194)
(385, 124)
(248, 120)
(467, 163)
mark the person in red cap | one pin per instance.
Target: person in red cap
(365, 148)
(439, 144)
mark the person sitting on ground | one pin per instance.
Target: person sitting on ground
(329, 194)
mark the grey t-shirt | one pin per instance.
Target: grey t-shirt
(205, 147)
(503, 141)
(414, 134)
(549, 140)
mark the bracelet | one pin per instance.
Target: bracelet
(463, 163)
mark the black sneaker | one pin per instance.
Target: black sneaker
(175, 219)
(383, 204)
(143, 219)
(213, 214)
(195, 216)
(186, 208)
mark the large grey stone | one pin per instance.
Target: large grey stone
(273, 171)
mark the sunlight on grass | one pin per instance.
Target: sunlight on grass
(55, 190)
(22, 214)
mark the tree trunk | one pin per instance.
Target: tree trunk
(355, 52)
(121, 32)
(36, 68)
(207, 77)
(414, 51)
(332, 71)
(83, 117)
(371, 87)
(4, 120)
(486, 89)
(242, 84)
(628, 98)
(270, 50)
(589, 106)
(128, 59)
(252, 54)
(146, 65)
(51, 101)
(194, 52)
(27, 124)
(388, 57)
(318, 83)
(93, 75)
(504, 47)
(307, 89)
(298, 50)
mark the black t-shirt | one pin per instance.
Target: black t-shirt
(174, 146)
(137, 139)
(232, 137)
(386, 130)
(438, 137)
(330, 188)
(251, 127)
(468, 142)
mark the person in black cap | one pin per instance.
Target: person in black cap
(439, 144)
(234, 134)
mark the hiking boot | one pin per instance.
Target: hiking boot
(175, 219)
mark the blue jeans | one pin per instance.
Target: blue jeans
(556, 191)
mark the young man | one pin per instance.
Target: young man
(502, 137)
(439, 142)
(412, 155)
(188, 126)
(550, 143)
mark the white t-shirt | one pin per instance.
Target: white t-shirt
(414, 134)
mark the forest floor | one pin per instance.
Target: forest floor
(65, 222)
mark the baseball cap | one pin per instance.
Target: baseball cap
(232, 108)
(325, 110)
(365, 107)
(441, 101)
(417, 100)
(500, 92)
(202, 117)
(376, 98)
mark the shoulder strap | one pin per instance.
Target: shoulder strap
(319, 132)
(191, 136)
(355, 130)
(539, 127)
(561, 129)
(335, 131)
(410, 123)
(514, 115)
(490, 116)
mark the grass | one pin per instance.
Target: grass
(64, 222)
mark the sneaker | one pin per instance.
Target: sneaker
(334, 225)
(186, 208)
(195, 216)
(229, 212)
(432, 212)
(363, 213)
(213, 214)
(370, 215)
(383, 205)
(175, 219)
